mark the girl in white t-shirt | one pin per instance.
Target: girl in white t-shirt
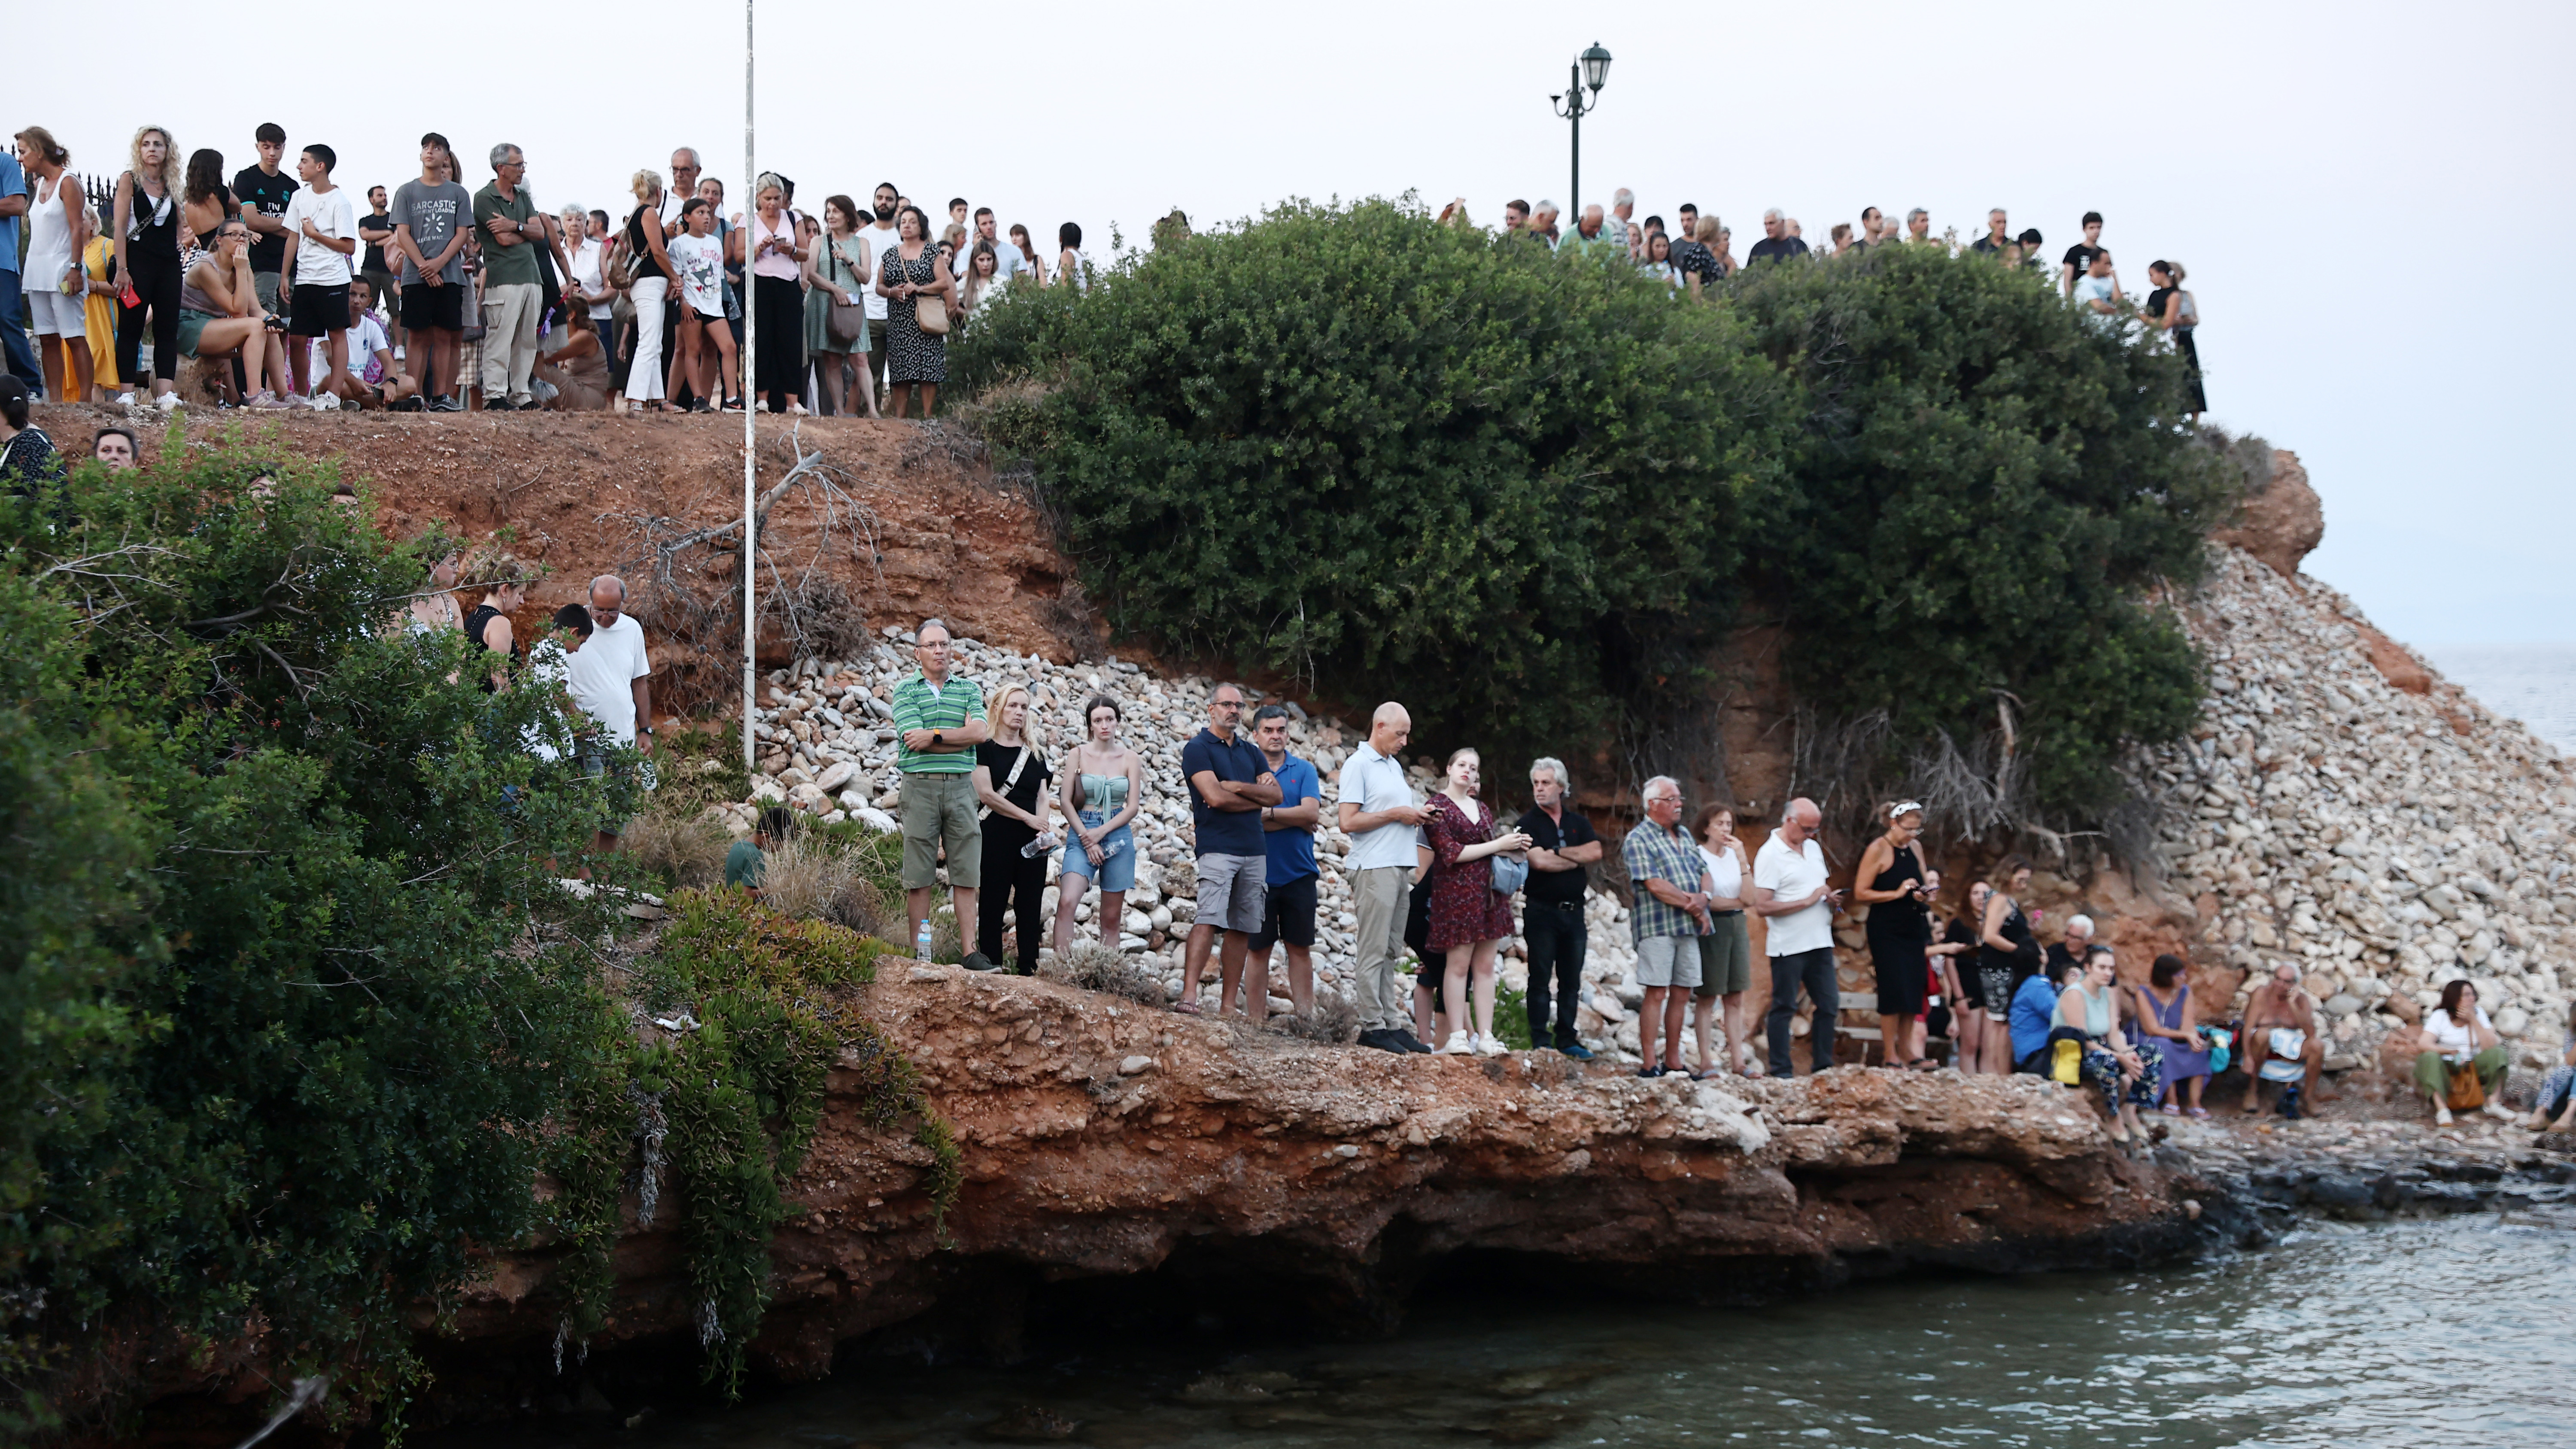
(2457, 1033)
(703, 329)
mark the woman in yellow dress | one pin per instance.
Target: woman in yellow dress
(98, 259)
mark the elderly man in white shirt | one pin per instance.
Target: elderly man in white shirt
(1378, 812)
(1791, 893)
(612, 682)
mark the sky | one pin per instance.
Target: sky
(2328, 173)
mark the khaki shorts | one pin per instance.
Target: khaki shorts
(1668, 961)
(1233, 894)
(1726, 958)
(940, 809)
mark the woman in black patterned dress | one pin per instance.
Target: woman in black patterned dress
(916, 361)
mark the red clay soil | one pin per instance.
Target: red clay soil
(566, 491)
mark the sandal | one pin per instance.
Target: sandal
(2197, 1112)
(1923, 1064)
(1186, 1008)
(2169, 1109)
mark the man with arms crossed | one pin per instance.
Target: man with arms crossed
(1229, 784)
(1790, 892)
(1552, 905)
(1288, 834)
(940, 719)
(1378, 812)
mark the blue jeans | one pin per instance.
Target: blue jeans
(13, 333)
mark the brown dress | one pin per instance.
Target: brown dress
(1464, 907)
(581, 382)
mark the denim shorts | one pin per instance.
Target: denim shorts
(1118, 872)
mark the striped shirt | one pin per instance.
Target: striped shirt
(1654, 853)
(918, 705)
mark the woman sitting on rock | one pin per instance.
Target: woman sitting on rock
(2127, 1076)
(2458, 1034)
(2557, 1109)
(2167, 1014)
(1104, 787)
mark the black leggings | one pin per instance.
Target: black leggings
(156, 281)
(778, 359)
(1007, 875)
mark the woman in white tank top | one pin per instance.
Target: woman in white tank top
(55, 236)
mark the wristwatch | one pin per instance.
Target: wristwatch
(937, 738)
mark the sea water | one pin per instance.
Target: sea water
(2534, 683)
(2457, 1331)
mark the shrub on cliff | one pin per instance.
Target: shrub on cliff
(1983, 489)
(289, 988)
(1392, 457)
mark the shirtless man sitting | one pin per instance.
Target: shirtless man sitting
(2280, 1003)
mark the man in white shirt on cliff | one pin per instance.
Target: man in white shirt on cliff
(1378, 812)
(612, 681)
(1790, 892)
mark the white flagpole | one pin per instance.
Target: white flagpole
(750, 484)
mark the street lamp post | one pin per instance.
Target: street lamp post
(1589, 69)
(750, 466)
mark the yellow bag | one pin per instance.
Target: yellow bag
(2068, 1066)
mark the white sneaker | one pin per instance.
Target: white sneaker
(2441, 1116)
(125, 400)
(168, 402)
(1487, 1046)
(1459, 1044)
(326, 402)
(299, 402)
(2494, 1108)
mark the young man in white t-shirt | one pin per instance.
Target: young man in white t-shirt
(882, 234)
(313, 281)
(372, 376)
(1791, 893)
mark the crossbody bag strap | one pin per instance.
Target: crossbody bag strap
(1008, 784)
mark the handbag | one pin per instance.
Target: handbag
(1510, 874)
(2466, 1093)
(849, 320)
(930, 314)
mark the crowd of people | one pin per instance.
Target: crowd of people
(285, 293)
(272, 288)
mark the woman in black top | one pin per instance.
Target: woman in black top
(1890, 882)
(2172, 311)
(146, 236)
(489, 627)
(2011, 956)
(648, 287)
(1011, 784)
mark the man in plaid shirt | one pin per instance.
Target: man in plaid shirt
(1670, 914)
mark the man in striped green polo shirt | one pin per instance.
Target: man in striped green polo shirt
(939, 717)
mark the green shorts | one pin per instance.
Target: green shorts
(940, 809)
(1726, 958)
(192, 326)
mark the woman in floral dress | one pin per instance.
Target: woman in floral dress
(1469, 919)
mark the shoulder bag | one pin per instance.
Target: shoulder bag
(849, 320)
(985, 812)
(930, 314)
(1511, 872)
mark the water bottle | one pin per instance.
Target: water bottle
(1040, 846)
(921, 941)
(1109, 851)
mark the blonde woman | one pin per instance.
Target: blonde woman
(1104, 787)
(147, 259)
(1019, 830)
(648, 286)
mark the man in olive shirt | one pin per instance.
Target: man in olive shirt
(513, 234)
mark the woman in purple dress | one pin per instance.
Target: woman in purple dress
(2166, 1014)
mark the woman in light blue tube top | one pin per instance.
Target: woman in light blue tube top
(1104, 784)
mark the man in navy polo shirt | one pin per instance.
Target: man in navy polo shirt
(1229, 785)
(1288, 832)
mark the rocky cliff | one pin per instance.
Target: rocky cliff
(1101, 1139)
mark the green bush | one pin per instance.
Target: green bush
(1396, 458)
(1527, 492)
(1983, 491)
(290, 990)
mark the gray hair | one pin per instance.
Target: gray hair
(1918, 211)
(935, 622)
(501, 154)
(693, 156)
(1775, 214)
(1623, 196)
(1542, 206)
(2082, 923)
(611, 579)
(1554, 766)
(1646, 796)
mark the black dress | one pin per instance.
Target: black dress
(475, 624)
(913, 355)
(2001, 973)
(1898, 932)
(2181, 333)
(1012, 881)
